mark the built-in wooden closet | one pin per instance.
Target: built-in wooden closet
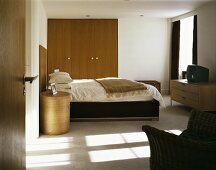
(85, 48)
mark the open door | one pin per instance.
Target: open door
(12, 100)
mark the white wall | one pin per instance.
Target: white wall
(36, 33)
(206, 28)
(144, 49)
(42, 26)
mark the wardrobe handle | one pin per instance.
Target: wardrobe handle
(97, 58)
(92, 58)
(68, 58)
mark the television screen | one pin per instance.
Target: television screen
(197, 74)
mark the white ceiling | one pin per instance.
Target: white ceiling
(119, 8)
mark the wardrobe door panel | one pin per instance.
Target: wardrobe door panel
(59, 45)
(85, 48)
(81, 49)
(106, 47)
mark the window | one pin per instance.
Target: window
(186, 44)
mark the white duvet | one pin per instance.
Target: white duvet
(89, 90)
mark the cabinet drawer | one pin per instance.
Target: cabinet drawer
(185, 100)
(193, 88)
(184, 94)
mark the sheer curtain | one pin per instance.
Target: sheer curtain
(186, 44)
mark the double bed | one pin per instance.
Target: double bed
(109, 98)
(90, 99)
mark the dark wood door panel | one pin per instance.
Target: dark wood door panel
(42, 68)
(59, 43)
(81, 48)
(90, 44)
(12, 101)
(106, 47)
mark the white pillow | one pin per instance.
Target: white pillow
(60, 77)
(62, 86)
(59, 73)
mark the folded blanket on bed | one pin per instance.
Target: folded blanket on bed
(120, 85)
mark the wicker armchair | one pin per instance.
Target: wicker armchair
(172, 152)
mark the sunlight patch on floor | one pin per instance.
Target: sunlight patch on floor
(141, 152)
(49, 164)
(112, 139)
(45, 147)
(119, 154)
(174, 131)
(52, 143)
(47, 160)
(135, 137)
(44, 139)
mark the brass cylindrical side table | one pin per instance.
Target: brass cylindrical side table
(54, 113)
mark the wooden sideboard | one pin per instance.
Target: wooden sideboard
(201, 96)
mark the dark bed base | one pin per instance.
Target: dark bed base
(104, 110)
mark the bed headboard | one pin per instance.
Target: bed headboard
(42, 68)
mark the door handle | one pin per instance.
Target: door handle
(29, 79)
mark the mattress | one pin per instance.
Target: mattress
(89, 90)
